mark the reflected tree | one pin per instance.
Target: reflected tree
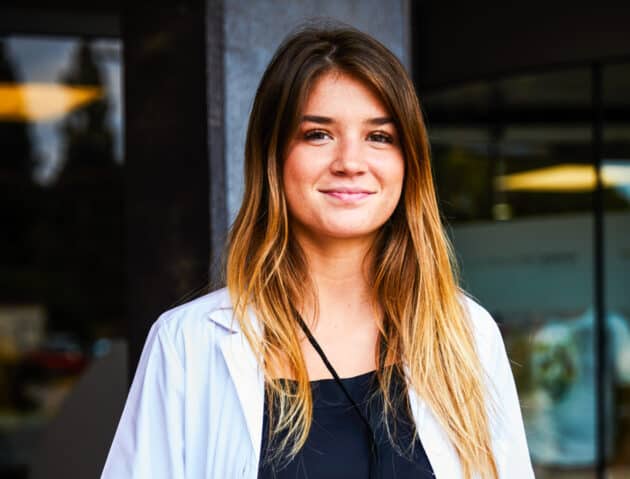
(87, 138)
(16, 188)
(85, 254)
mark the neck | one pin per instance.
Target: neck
(339, 269)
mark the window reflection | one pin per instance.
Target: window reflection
(501, 131)
(616, 154)
(513, 162)
(62, 211)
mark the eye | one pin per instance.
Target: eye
(316, 135)
(381, 137)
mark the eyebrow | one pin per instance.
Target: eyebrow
(325, 120)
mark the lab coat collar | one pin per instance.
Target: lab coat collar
(222, 313)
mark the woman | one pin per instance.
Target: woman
(342, 345)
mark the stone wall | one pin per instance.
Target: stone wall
(253, 30)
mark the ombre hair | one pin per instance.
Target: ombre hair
(424, 332)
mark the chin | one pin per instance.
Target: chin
(348, 232)
(338, 227)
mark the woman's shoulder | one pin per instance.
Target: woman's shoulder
(485, 329)
(199, 319)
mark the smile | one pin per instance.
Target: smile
(347, 194)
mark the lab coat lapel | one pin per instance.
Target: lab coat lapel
(434, 439)
(248, 380)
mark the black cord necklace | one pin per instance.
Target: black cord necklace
(374, 457)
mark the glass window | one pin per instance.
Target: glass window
(513, 162)
(514, 148)
(61, 189)
(615, 175)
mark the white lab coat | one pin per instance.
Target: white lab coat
(195, 407)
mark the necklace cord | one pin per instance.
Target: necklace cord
(374, 468)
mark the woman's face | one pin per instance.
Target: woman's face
(343, 171)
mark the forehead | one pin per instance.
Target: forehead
(340, 92)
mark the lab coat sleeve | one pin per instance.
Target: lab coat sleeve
(149, 439)
(514, 461)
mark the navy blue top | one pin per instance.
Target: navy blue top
(338, 444)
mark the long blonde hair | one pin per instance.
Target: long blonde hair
(425, 332)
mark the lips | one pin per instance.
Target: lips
(347, 194)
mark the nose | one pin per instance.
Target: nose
(348, 160)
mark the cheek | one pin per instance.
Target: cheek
(394, 176)
(301, 170)
(296, 180)
(292, 177)
(395, 181)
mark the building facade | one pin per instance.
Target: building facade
(122, 131)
